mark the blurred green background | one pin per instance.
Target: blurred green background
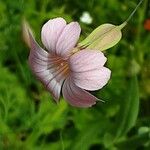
(30, 120)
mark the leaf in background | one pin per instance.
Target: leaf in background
(91, 134)
(103, 37)
(14, 109)
(129, 109)
(135, 142)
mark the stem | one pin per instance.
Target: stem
(128, 19)
(134, 11)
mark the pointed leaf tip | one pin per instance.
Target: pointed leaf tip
(26, 30)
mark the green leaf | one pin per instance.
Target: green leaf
(134, 142)
(103, 37)
(87, 137)
(91, 132)
(129, 109)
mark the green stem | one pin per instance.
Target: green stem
(134, 11)
(131, 15)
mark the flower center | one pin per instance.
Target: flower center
(58, 66)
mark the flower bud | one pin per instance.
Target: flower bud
(103, 37)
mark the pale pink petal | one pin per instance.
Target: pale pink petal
(93, 79)
(68, 39)
(76, 96)
(44, 69)
(87, 71)
(51, 31)
(38, 57)
(85, 60)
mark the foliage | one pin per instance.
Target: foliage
(29, 118)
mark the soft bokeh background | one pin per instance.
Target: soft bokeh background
(30, 120)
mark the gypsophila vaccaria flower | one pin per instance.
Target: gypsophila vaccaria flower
(64, 65)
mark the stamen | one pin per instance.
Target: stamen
(63, 72)
(62, 64)
(58, 68)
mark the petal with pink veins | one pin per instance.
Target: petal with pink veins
(76, 96)
(68, 39)
(44, 69)
(87, 69)
(93, 79)
(51, 31)
(86, 60)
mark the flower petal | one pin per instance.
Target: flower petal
(68, 39)
(86, 60)
(44, 69)
(51, 31)
(76, 96)
(93, 79)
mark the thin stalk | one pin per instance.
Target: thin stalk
(131, 15)
(134, 11)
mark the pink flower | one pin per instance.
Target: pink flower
(66, 66)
